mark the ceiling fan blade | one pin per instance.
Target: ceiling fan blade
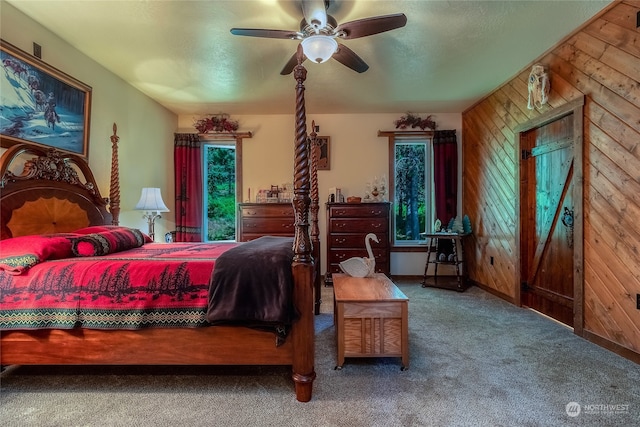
(369, 26)
(315, 13)
(272, 34)
(291, 64)
(347, 57)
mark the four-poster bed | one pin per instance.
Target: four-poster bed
(51, 184)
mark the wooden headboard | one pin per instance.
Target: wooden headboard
(54, 193)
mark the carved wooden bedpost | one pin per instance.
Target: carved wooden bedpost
(114, 189)
(302, 267)
(315, 207)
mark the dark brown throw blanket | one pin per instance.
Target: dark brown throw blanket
(252, 285)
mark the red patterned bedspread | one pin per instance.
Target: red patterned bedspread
(155, 285)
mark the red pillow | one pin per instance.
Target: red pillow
(102, 228)
(18, 254)
(107, 242)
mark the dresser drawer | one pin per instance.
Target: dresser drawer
(268, 225)
(359, 210)
(339, 255)
(266, 211)
(356, 240)
(247, 237)
(358, 225)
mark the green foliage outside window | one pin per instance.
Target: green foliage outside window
(221, 192)
(409, 192)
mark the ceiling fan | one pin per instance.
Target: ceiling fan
(319, 31)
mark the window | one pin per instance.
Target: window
(221, 158)
(411, 189)
(219, 171)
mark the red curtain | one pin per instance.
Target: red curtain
(187, 159)
(445, 169)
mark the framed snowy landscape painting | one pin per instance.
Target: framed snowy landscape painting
(41, 105)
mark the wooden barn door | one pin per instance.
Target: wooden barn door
(547, 209)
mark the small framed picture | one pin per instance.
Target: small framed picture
(323, 145)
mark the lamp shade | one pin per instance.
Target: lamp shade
(319, 48)
(151, 200)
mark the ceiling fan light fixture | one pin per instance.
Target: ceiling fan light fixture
(319, 48)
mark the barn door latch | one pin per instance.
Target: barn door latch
(524, 286)
(525, 154)
(567, 221)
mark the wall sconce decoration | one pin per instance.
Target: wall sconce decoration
(218, 123)
(539, 87)
(411, 120)
(150, 201)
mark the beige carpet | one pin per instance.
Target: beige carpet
(475, 361)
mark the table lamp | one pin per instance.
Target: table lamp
(150, 201)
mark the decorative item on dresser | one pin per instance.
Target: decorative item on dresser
(262, 219)
(347, 226)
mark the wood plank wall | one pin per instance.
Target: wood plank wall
(600, 62)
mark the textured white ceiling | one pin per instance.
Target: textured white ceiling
(182, 54)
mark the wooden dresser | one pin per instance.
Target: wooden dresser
(347, 225)
(261, 219)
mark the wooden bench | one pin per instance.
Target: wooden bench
(371, 317)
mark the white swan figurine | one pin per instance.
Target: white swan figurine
(359, 266)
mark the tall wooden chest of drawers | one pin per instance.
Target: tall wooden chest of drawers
(347, 226)
(265, 219)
